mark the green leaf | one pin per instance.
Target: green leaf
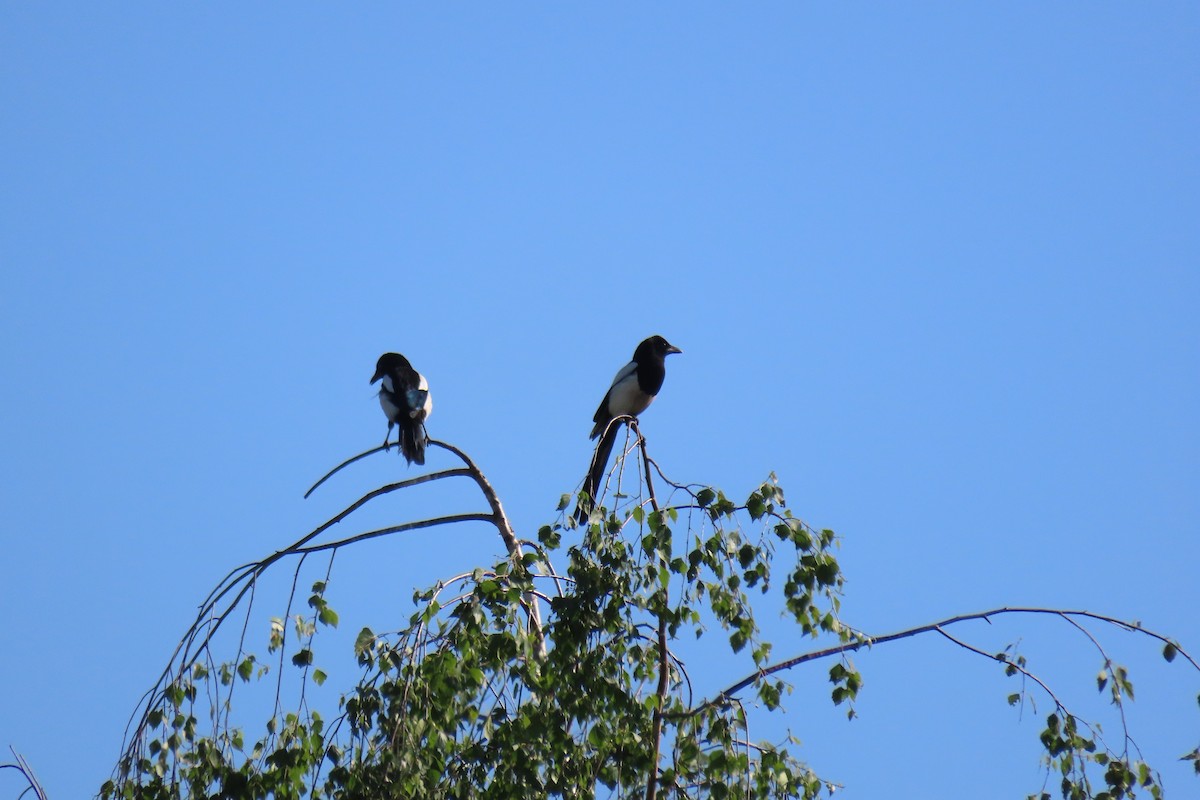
(548, 536)
(304, 658)
(1013, 699)
(328, 616)
(319, 677)
(1169, 651)
(362, 644)
(755, 506)
(596, 737)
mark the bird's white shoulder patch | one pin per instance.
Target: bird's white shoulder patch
(423, 385)
(624, 372)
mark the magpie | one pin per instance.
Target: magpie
(405, 399)
(633, 390)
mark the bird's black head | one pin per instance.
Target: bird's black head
(390, 363)
(655, 347)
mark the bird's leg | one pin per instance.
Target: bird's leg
(386, 436)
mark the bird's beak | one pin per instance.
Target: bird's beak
(673, 349)
(378, 375)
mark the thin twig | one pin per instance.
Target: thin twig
(663, 654)
(1008, 662)
(22, 766)
(342, 466)
(1117, 688)
(283, 637)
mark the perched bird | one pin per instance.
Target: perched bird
(632, 391)
(405, 399)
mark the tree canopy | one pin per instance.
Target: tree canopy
(558, 671)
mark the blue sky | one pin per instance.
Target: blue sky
(935, 265)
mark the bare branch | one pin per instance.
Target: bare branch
(340, 467)
(858, 644)
(22, 766)
(407, 526)
(500, 520)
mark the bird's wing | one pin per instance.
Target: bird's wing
(603, 415)
(625, 372)
(426, 403)
(626, 397)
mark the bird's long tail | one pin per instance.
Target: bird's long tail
(413, 439)
(599, 465)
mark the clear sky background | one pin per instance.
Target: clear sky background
(936, 265)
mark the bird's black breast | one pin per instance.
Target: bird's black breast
(650, 375)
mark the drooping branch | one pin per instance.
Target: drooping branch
(209, 620)
(1108, 668)
(229, 593)
(870, 641)
(1007, 662)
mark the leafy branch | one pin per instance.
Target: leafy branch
(192, 658)
(478, 695)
